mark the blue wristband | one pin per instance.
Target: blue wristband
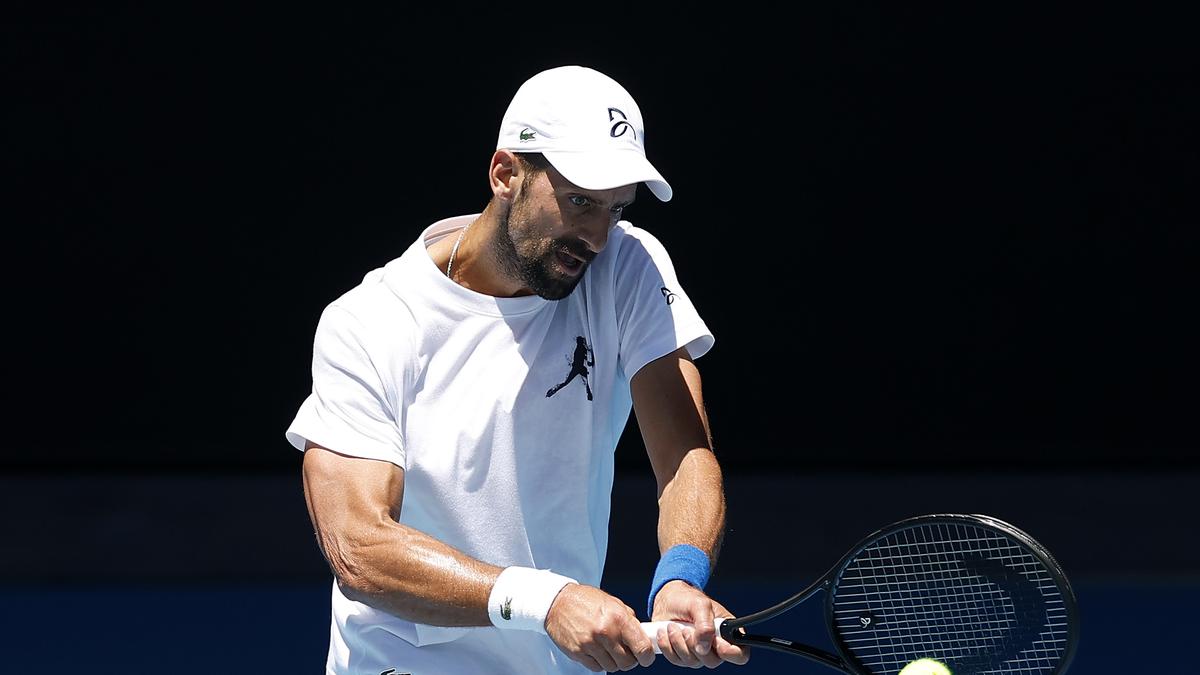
(684, 562)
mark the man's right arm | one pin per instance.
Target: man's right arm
(354, 504)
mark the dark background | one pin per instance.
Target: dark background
(960, 238)
(949, 255)
(953, 239)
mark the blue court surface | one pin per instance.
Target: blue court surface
(1129, 627)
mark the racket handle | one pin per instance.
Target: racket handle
(650, 628)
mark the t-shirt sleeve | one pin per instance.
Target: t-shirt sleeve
(348, 410)
(654, 313)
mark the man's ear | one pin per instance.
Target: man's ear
(504, 174)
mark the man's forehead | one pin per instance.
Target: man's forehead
(624, 194)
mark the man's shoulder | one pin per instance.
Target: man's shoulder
(368, 294)
(630, 248)
(373, 300)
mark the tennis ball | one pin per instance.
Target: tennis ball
(926, 667)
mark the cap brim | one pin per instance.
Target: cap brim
(607, 170)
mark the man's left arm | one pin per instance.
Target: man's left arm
(669, 405)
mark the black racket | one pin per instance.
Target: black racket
(971, 591)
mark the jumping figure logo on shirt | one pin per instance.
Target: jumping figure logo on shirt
(506, 609)
(580, 361)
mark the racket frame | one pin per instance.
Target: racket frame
(733, 629)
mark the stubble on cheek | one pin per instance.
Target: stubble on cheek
(528, 231)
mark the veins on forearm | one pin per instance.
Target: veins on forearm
(416, 577)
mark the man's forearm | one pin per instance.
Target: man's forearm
(354, 505)
(691, 509)
(410, 574)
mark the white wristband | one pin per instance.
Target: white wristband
(521, 598)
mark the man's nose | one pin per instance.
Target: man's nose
(593, 230)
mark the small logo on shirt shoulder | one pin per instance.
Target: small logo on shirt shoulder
(666, 293)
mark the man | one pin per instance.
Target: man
(458, 474)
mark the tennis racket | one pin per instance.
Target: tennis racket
(971, 591)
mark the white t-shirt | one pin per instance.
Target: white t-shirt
(461, 390)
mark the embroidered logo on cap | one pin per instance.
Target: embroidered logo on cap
(526, 134)
(622, 125)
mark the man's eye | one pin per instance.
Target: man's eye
(578, 200)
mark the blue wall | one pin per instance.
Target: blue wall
(282, 628)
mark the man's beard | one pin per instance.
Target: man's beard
(536, 272)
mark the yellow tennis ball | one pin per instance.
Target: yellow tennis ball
(926, 667)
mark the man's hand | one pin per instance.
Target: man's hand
(699, 645)
(597, 630)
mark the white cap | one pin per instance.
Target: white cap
(586, 125)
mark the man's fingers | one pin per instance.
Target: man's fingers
(702, 622)
(589, 663)
(601, 654)
(677, 649)
(730, 652)
(638, 643)
(632, 647)
(597, 630)
(645, 655)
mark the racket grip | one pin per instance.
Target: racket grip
(650, 628)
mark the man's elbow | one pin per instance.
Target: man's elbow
(351, 572)
(356, 589)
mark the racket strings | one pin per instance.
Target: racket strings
(959, 593)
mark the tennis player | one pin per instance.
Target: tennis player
(468, 398)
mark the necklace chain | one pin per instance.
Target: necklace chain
(454, 251)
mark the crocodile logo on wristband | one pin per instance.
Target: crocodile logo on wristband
(506, 609)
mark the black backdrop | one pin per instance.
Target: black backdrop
(962, 238)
